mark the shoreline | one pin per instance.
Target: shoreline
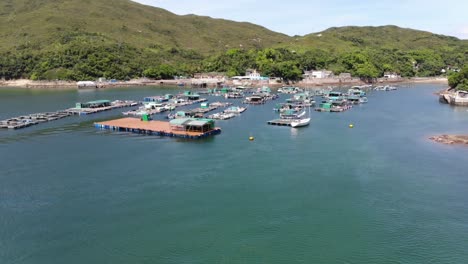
(52, 85)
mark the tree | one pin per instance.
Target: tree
(163, 71)
(287, 70)
(459, 80)
(315, 59)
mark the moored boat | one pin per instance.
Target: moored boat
(292, 114)
(289, 90)
(235, 109)
(254, 99)
(222, 116)
(300, 122)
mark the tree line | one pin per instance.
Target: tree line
(81, 59)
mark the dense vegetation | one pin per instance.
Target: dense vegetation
(459, 80)
(120, 39)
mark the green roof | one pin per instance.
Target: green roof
(191, 121)
(208, 120)
(99, 102)
(179, 121)
(200, 122)
(197, 123)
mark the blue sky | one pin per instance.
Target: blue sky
(300, 17)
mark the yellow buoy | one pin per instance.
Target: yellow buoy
(351, 125)
(251, 138)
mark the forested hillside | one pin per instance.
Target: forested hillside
(120, 39)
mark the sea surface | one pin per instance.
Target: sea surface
(380, 192)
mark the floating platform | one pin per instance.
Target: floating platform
(38, 118)
(32, 119)
(93, 110)
(201, 110)
(280, 122)
(156, 128)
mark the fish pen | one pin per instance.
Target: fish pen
(188, 128)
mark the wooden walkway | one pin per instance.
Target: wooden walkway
(157, 128)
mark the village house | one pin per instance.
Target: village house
(391, 75)
(318, 74)
(252, 75)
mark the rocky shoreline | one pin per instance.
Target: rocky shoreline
(24, 83)
(451, 139)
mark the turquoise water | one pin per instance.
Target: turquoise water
(377, 193)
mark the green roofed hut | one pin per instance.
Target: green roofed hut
(94, 104)
(201, 125)
(191, 96)
(324, 107)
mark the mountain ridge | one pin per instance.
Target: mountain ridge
(121, 39)
(40, 22)
(137, 24)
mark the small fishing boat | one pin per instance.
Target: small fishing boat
(222, 116)
(289, 90)
(363, 100)
(254, 99)
(356, 91)
(292, 114)
(385, 88)
(235, 109)
(353, 99)
(234, 95)
(282, 107)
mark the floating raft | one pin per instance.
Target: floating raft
(113, 105)
(280, 122)
(156, 128)
(38, 118)
(33, 119)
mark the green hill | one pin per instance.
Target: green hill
(121, 39)
(42, 22)
(383, 37)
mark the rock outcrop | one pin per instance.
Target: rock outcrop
(451, 139)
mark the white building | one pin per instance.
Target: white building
(321, 74)
(251, 75)
(391, 75)
(86, 84)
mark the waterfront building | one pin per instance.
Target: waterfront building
(391, 75)
(318, 74)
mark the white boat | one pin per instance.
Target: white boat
(300, 122)
(222, 116)
(235, 109)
